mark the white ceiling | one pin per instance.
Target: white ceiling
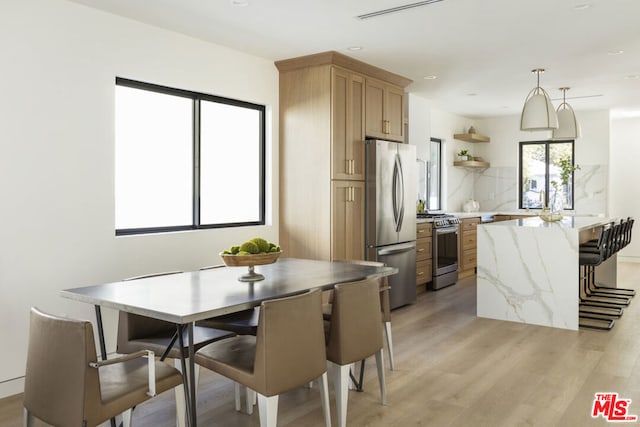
(481, 50)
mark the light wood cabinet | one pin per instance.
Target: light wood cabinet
(347, 220)
(347, 113)
(321, 145)
(424, 266)
(384, 110)
(467, 245)
(497, 218)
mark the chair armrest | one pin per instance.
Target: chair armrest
(142, 353)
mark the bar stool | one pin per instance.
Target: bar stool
(623, 239)
(598, 313)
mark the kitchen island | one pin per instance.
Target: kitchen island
(528, 269)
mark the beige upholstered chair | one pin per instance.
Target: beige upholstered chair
(136, 333)
(384, 304)
(287, 352)
(66, 386)
(354, 334)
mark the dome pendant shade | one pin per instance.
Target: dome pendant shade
(568, 127)
(538, 112)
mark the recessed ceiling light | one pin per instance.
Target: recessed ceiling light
(354, 48)
(240, 3)
(472, 94)
(582, 6)
(615, 52)
(632, 77)
(431, 77)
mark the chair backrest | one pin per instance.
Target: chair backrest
(385, 305)
(355, 330)
(59, 385)
(630, 221)
(290, 349)
(133, 326)
(606, 241)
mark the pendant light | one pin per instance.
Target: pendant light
(538, 112)
(568, 127)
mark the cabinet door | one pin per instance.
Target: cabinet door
(394, 113)
(347, 220)
(374, 99)
(347, 133)
(384, 110)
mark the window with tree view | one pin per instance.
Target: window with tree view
(546, 175)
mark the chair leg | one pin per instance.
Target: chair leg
(380, 366)
(387, 330)
(340, 382)
(29, 420)
(268, 409)
(250, 400)
(323, 385)
(238, 390)
(126, 418)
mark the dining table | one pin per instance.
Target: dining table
(187, 297)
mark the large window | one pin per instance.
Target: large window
(546, 174)
(429, 176)
(186, 160)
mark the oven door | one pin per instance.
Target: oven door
(445, 250)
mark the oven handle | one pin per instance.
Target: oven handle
(446, 230)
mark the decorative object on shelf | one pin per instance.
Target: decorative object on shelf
(471, 130)
(464, 155)
(568, 127)
(420, 206)
(538, 112)
(471, 206)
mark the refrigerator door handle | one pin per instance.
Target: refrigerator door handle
(398, 199)
(394, 192)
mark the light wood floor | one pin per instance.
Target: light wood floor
(454, 369)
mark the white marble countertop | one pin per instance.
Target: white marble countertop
(571, 222)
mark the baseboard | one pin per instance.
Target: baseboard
(633, 259)
(11, 387)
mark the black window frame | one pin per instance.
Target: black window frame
(547, 193)
(196, 98)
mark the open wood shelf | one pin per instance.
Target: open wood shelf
(472, 164)
(471, 137)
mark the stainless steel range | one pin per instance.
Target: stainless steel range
(445, 249)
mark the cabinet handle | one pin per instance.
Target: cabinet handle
(421, 250)
(421, 273)
(347, 166)
(352, 165)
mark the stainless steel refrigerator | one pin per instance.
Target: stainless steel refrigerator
(390, 223)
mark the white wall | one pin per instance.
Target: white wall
(457, 183)
(496, 188)
(625, 177)
(59, 61)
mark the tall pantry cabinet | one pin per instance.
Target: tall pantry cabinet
(322, 133)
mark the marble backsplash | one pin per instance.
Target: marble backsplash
(496, 188)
